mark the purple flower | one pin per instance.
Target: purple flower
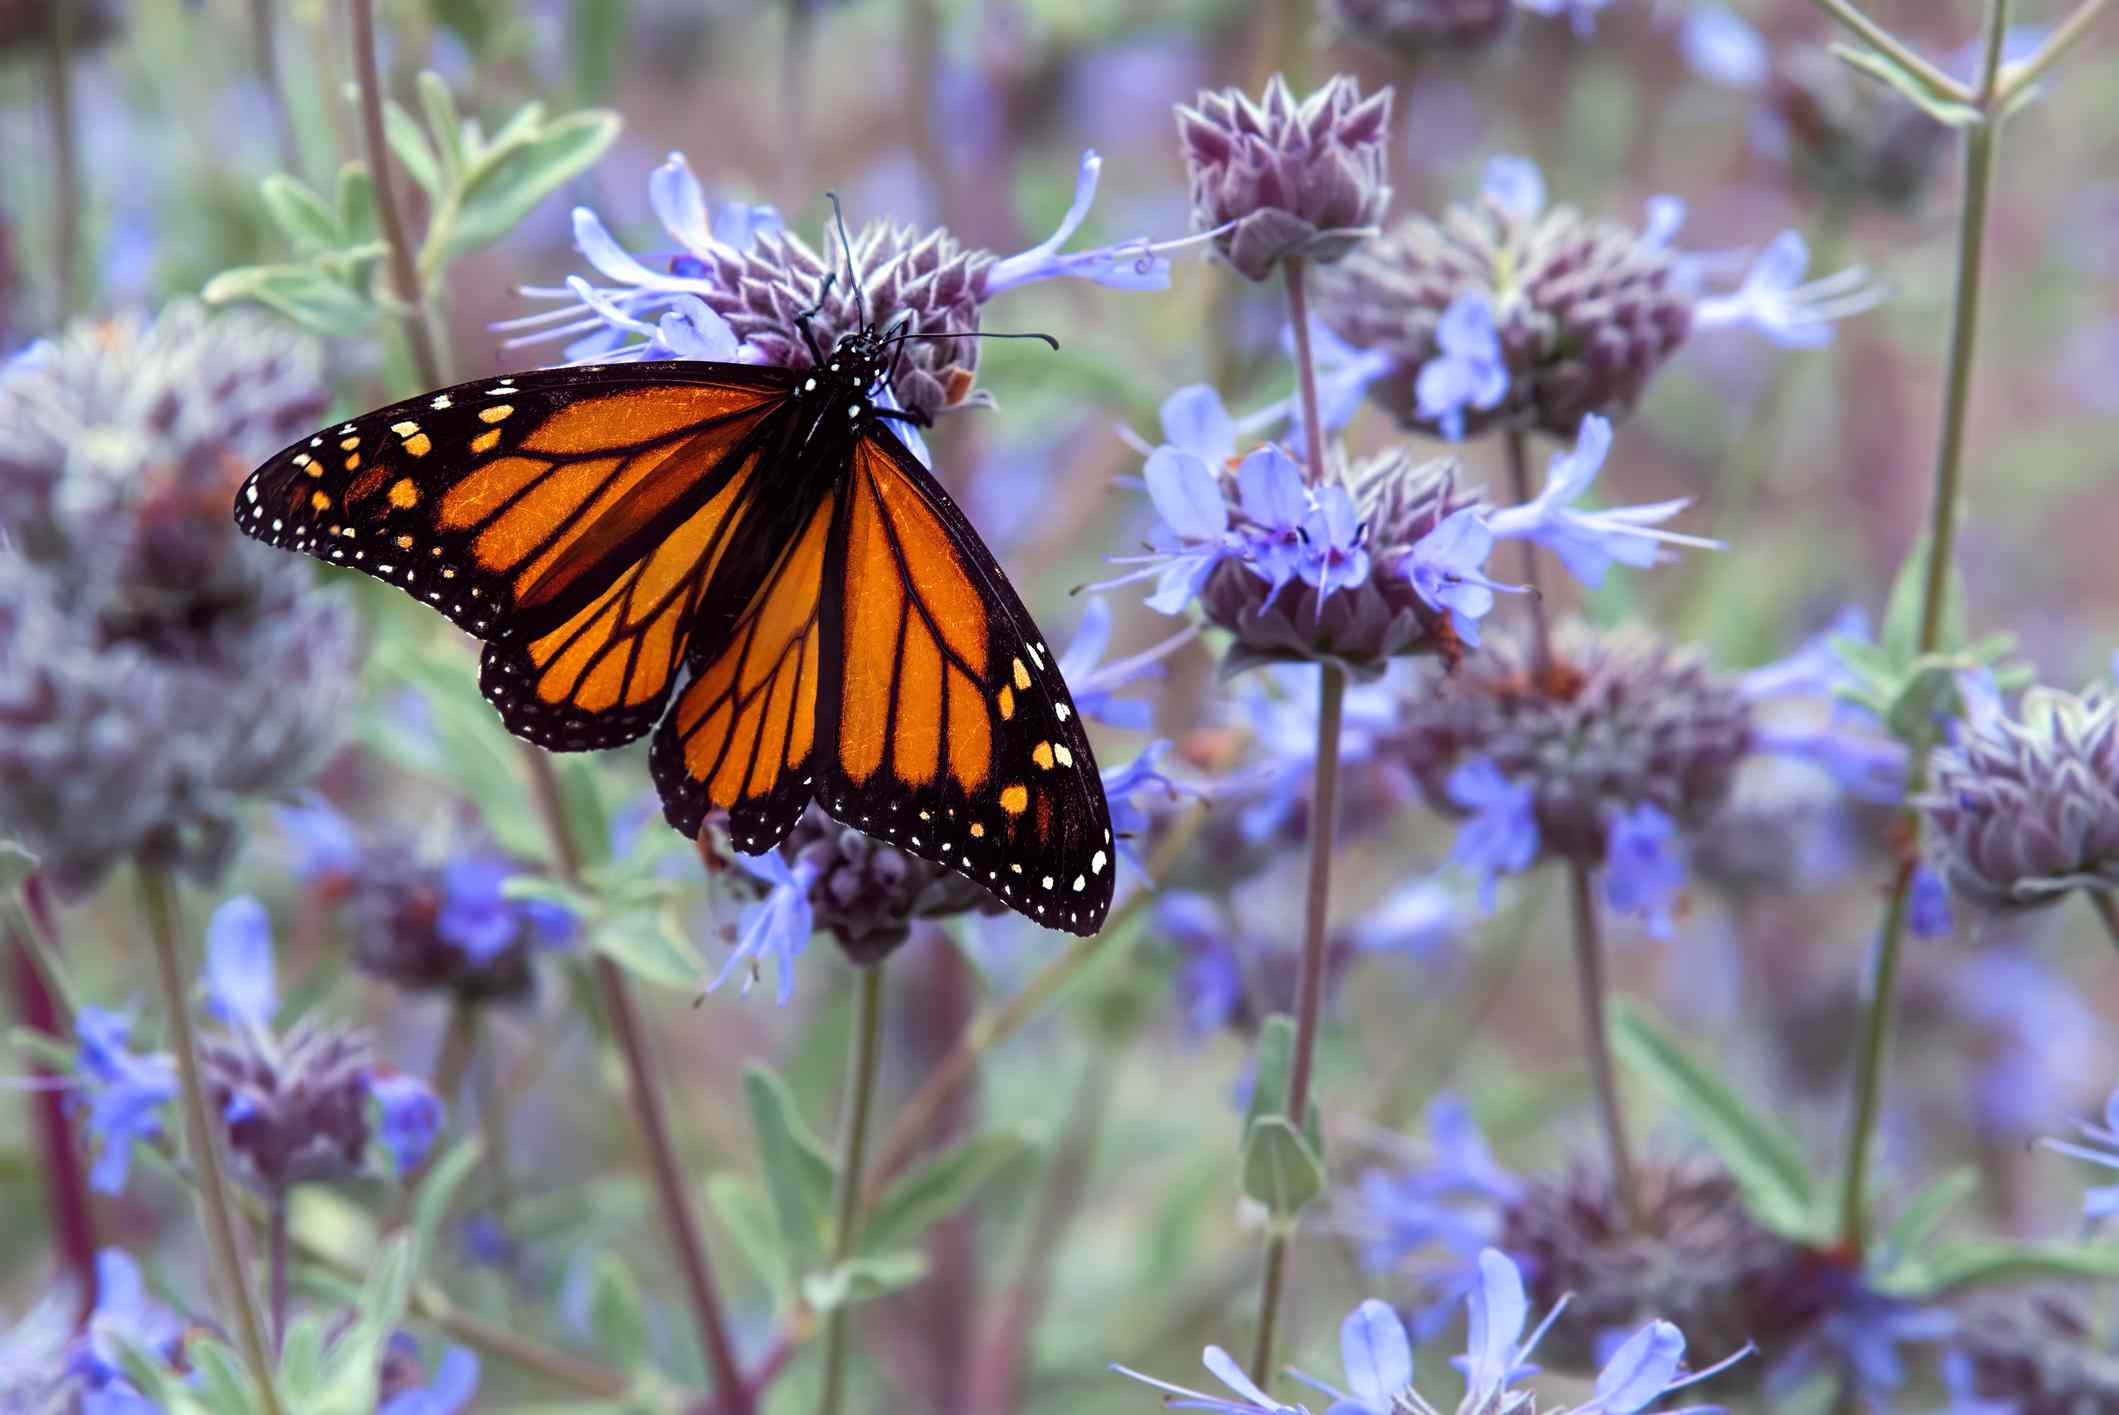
(124, 1092)
(1861, 1333)
(455, 1382)
(1415, 919)
(125, 1316)
(1344, 373)
(239, 971)
(2100, 1146)
(1773, 300)
(1447, 568)
(1250, 1399)
(1129, 265)
(1816, 668)
(780, 924)
(1514, 184)
(1587, 542)
(1582, 14)
(411, 1116)
(1500, 836)
(1095, 684)
(1928, 905)
(1334, 556)
(1123, 785)
(479, 918)
(1644, 867)
(1210, 982)
(1470, 370)
(1271, 491)
(1194, 537)
(327, 850)
(1722, 46)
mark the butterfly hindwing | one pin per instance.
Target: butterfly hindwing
(954, 735)
(569, 517)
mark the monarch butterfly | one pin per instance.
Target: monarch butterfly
(761, 536)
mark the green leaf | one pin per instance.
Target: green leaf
(923, 1198)
(740, 1203)
(437, 1188)
(581, 797)
(1925, 695)
(302, 1355)
(1763, 1160)
(1908, 1236)
(596, 38)
(306, 218)
(357, 220)
(303, 293)
(1900, 635)
(617, 1315)
(799, 1171)
(507, 182)
(402, 132)
(389, 1285)
(1280, 1170)
(1991, 1262)
(41, 1048)
(1274, 1073)
(439, 105)
(1939, 106)
(651, 947)
(17, 864)
(862, 1279)
(223, 1381)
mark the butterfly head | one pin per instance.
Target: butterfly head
(858, 361)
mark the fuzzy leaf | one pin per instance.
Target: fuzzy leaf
(1882, 67)
(1910, 1232)
(507, 182)
(1280, 1170)
(651, 947)
(443, 1178)
(223, 1380)
(303, 293)
(402, 132)
(357, 221)
(862, 1279)
(617, 1314)
(744, 1210)
(1900, 634)
(302, 1355)
(439, 105)
(1272, 1074)
(305, 218)
(1992, 1262)
(799, 1171)
(931, 1193)
(1762, 1158)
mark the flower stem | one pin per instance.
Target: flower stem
(2061, 39)
(853, 1154)
(404, 272)
(1276, 1276)
(38, 1005)
(1527, 553)
(276, 1239)
(66, 163)
(158, 896)
(1595, 989)
(732, 1394)
(1891, 45)
(915, 1119)
(1305, 367)
(1979, 140)
(2107, 910)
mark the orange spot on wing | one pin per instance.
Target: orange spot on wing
(320, 501)
(1042, 755)
(1015, 799)
(404, 494)
(1006, 700)
(486, 441)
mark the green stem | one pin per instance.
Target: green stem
(1595, 994)
(404, 272)
(66, 163)
(158, 896)
(1275, 1279)
(853, 1154)
(1527, 553)
(2063, 38)
(2101, 901)
(1882, 40)
(1942, 536)
(1291, 269)
(732, 1394)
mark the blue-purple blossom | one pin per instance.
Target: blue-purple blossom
(1582, 14)
(1499, 836)
(1773, 300)
(1277, 543)
(778, 925)
(1343, 372)
(1129, 265)
(2099, 1144)
(1722, 45)
(1194, 537)
(2037, 1039)
(1450, 1200)
(455, 1381)
(1418, 918)
(1928, 905)
(1250, 1400)
(1210, 979)
(126, 1316)
(1123, 788)
(478, 918)
(1096, 684)
(1515, 184)
(1588, 542)
(1334, 554)
(327, 849)
(239, 967)
(1861, 1333)
(1644, 866)
(125, 1092)
(411, 1116)
(1468, 371)
(1447, 570)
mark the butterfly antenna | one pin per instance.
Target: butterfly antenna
(846, 248)
(970, 334)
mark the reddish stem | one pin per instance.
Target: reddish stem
(65, 1179)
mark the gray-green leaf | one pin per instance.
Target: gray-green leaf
(923, 1198)
(506, 182)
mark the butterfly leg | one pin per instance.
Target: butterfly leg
(802, 320)
(906, 415)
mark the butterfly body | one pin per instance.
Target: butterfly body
(747, 562)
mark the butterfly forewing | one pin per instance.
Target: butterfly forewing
(828, 623)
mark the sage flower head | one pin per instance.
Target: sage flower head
(1279, 178)
(2022, 810)
(1416, 28)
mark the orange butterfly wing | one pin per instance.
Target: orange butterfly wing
(570, 517)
